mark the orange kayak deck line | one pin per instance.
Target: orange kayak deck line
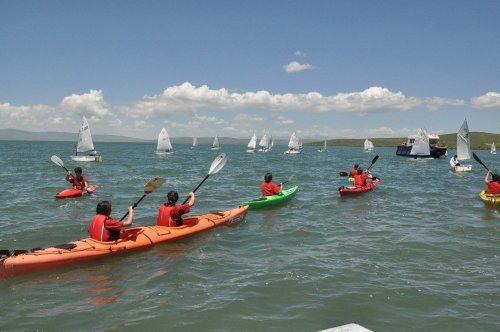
(132, 239)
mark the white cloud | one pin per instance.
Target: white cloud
(299, 53)
(294, 67)
(489, 100)
(91, 104)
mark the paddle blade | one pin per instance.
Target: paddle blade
(292, 178)
(342, 173)
(479, 160)
(218, 164)
(153, 184)
(56, 160)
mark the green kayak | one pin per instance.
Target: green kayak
(284, 196)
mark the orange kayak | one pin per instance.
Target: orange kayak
(16, 262)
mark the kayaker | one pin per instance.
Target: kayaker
(103, 228)
(493, 184)
(361, 177)
(78, 181)
(170, 214)
(454, 162)
(269, 187)
(354, 171)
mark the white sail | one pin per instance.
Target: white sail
(323, 149)
(215, 144)
(493, 148)
(272, 143)
(368, 145)
(421, 145)
(84, 137)
(163, 141)
(253, 142)
(294, 142)
(463, 142)
(264, 143)
(195, 142)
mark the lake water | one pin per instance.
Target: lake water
(419, 253)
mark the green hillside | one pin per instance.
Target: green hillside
(479, 141)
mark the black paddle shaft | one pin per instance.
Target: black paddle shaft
(373, 162)
(187, 199)
(134, 206)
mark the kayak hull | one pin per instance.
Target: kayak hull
(133, 239)
(265, 201)
(351, 190)
(67, 193)
(492, 200)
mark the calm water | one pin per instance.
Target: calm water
(419, 253)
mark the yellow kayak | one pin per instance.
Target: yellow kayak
(490, 199)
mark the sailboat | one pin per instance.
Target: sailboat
(85, 144)
(294, 145)
(271, 145)
(420, 147)
(195, 142)
(368, 145)
(215, 144)
(252, 145)
(493, 148)
(463, 148)
(323, 149)
(264, 144)
(164, 147)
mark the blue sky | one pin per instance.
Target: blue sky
(332, 69)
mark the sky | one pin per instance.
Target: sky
(323, 68)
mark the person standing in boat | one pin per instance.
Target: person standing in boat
(361, 177)
(78, 181)
(454, 161)
(493, 184)
(269, 187)
(103, 227)
(169, 214)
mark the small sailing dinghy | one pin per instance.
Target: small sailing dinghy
(294, 145)
(493, 148)
(195, 143)
(164, 147)
(85, 144)
(421, 148)
(264, 144)
(252, 145)
(463, 148)
(215, 144)
(368, 145)
(323, 149)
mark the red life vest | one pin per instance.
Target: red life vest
(98, 230)
(493, 188)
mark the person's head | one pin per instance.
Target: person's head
(78, 171)
(356, 166)
(455, 157)
(495, 177)
(172, 197)
(103, 207)
(268, 177)
(360, 171)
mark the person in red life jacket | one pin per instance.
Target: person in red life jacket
(354, 171)
(493, 184)
(170, 214)
(269, 187)
(103, 227)
(78, 181)
(361, 177)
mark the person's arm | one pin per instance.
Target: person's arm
(69, 176)
(85, 184)
(130, 217)
(191, 199)
(486, 180)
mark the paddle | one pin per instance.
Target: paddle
(479, 161)
(151, 186)
(291, 178)
(373, 162)
(56, 160)
(216, 166)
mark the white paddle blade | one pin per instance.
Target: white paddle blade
(292, 178)
(218, 164)
(56, 160)
(153, 184)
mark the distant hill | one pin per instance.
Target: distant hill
(479, 141)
